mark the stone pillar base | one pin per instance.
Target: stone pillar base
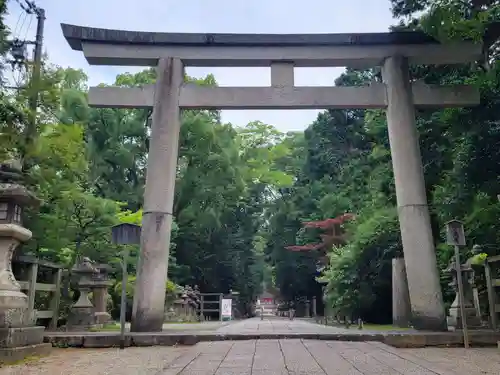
(81, 319)
(18, 343)
(102, 318)
(15, 318)
(21, 336)
(454, 320)
(427, 323)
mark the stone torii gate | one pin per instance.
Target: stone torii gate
(171, 52)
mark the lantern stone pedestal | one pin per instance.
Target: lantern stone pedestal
(19, 337)
(81, 316)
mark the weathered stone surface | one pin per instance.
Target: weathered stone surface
(65, 341)
(406, 341)
(154, 340)
(13, 337)
(401, 309)
(102, 317)
(16, 318)
(10, 355)
(148, 311)
(81, 318)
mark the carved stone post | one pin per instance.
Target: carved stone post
(401, 309)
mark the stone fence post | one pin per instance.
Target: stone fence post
(100, 294)
(401, 308)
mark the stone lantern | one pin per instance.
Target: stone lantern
(13, 198)
(454, 319)
(19, 336)
(81, 315)
(100, 293)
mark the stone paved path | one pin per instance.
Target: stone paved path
(279, 325)
(266, 357)
(285, 325)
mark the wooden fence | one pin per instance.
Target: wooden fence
(32, 266)
(492, 274)
(210, 303)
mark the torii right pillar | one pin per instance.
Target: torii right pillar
(426, 298)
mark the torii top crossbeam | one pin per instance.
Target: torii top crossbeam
(281, 52)
(135, 48)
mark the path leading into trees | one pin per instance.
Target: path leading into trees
(265, 357)
(278, 326)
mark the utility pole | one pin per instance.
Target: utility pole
(18, 52)
(35, 78)
(37, 57)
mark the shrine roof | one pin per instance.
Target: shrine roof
(327, 223)
(307, 247)
(266, 294)
(76, 35)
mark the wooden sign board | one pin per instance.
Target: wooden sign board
(455, 235)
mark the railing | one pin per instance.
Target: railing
(31, 286)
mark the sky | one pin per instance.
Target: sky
(208, 16)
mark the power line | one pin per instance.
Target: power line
(18, 51)
(18, 45)
(22, 15)
(23, 6)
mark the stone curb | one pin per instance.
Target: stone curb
(13, 355)
(398, 340)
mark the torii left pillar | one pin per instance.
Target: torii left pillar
(149, 297)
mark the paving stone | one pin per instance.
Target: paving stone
(331, 362)
(266, 357)
(393, 360)
(184, 360)
(366, 364)
(233, 371)
(459, 360)
(298, 360)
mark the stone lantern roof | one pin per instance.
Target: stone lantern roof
(11, 187)
(18, 194)
(10, 171)
(84, 266)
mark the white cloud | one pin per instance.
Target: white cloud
(256, 16)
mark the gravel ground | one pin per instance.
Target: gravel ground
(132, 361)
